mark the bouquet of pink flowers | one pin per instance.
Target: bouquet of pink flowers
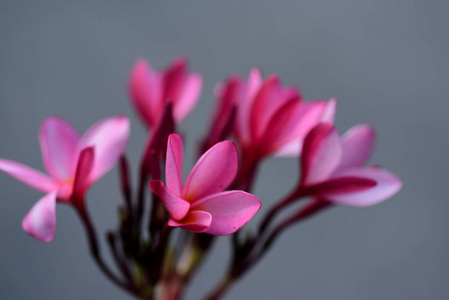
(263, 118)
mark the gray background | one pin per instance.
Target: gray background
(386, 62)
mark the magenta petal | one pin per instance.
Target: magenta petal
(266, 103)
(276, 128)
(254, 83)
(196, 221)
(328, 114)
(321, 154)
(145, 90)
(341, 185)
(188, 97)
(173, 164)
(58, 141)
(40, 222)
(173, 80)
(229, 95)
(176, 206)
(214, 172)
(27, 175)
(84, 167)
(109, 137)
(307, 116)
(387, 185)
(244, 101)
(358, 143)
(230, 210)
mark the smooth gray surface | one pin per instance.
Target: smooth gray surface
(386, 62)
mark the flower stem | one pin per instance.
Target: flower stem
(95, 250)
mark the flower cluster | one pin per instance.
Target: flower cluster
(264, 119)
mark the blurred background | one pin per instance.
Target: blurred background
(385, 61)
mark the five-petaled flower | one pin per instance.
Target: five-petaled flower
(151, 91)
(73, 164)
(200, 204)
(333, 168)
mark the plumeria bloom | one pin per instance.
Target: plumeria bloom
(151, 91)
(333, 168)
(270, 119)
(200, 204)
(73, 163)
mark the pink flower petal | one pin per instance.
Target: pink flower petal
(196, 221)
(358, 143)
(328, 114)
(58, 141)
(340, 185)
(85, 164)
(321, 154)
(188, 97)
(266, 103)
(29, 176)
(253, 85)
(214, 172)
(387, 185)
(40, 222)
(307, 116)
(109, 137)
(173, 80)
(276, 128)
(230, 210)
(173, 164)
(176, 206)
(245, 102)
(145, 90)
(229, 95)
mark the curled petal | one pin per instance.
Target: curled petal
(173, 165)
(40, 222)
(109, 137)
(229, 95)
(176, 206)
(387, 185)
(214, 172)
(358, 143)
(196, 221)
(341, 185)
(27, 175)
(321, 154)
(145, 90)
(84, 167)
(58, 140)
(230, 210)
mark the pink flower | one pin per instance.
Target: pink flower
(151, 91)
(270, 119)
(200, 205)
(73, 164)
(333, 168)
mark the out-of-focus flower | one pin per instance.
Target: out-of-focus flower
(73, 163)
(270, 119)
(151, 91)
(333, 168)
(200, 205)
